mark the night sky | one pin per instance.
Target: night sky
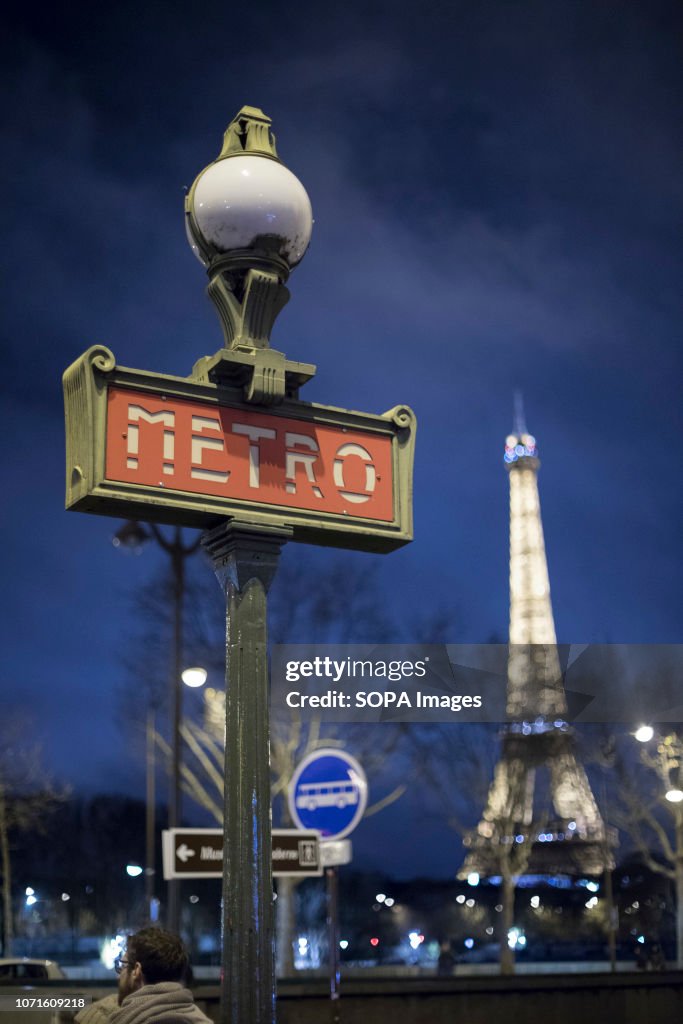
(497, 194)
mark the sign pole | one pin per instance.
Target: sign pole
(333, 938)
(245, 560)
(329, 788)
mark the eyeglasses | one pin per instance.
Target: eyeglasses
(119, 964)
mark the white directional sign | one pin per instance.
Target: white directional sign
(335, 852)
(198, 853)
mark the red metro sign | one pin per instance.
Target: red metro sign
(176, 450)
(246, 455)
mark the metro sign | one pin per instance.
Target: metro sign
(177, 450)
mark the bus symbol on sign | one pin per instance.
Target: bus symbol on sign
(328, 792)
(338, 793)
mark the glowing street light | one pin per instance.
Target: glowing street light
(194, 677)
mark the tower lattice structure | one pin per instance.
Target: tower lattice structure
(541, 812)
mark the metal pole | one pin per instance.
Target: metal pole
(612, 917)
(245, 559)
(333, 939)
(150, 811)
(177, 553)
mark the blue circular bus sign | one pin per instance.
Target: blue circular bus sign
(328, 792)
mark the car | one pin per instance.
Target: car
(26, 971)
(24, 977)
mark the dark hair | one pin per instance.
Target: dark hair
(160, 954)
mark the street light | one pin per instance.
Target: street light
(194, 677)
(249, 221)
(132, 536)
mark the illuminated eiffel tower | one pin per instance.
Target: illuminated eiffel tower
(540, 794)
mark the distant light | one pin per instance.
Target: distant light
(644, 733)
(380, 897)
(374, 942)
(30, 900)
(29, 891)
(469, 903)
(592, 902)
(641, 939)
(489, 930)
(460, 899)
(194, 899)
(112, 948)
(389, 901)
(133, 870)
(473, 878)
(516, 938)
(343, 943)
(498, 907)
(65, 897)
(674, 795)
(194, 676)
(593, 886)
(535, 902)
(571, 825)
(469, 943)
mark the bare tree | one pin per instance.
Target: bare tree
(27, 798)
(652, 811)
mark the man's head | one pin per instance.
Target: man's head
(152, 955)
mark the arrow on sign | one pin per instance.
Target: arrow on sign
(198, 853)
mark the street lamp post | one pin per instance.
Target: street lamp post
(252, 478)
(249, 222)
(133, 535)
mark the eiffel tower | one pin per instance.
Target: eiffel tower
(540, 794)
